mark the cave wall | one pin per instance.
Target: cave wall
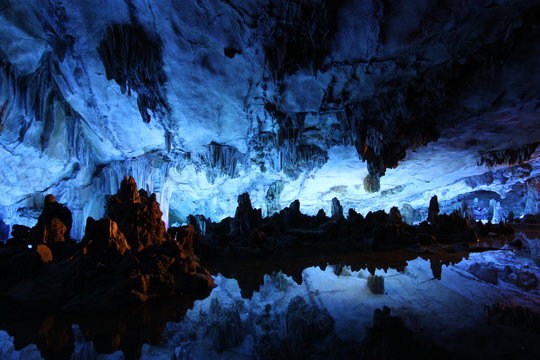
(377, 103)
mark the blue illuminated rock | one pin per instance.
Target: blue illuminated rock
(202, 101)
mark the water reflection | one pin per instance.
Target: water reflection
(128, 329)
(250, 281)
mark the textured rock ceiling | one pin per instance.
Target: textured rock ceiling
(378, 103)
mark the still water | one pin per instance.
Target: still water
(128, 329)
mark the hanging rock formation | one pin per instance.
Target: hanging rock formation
(135, 62)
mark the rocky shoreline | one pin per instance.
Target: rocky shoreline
(130, 257)
(248, 234)
(127, 257)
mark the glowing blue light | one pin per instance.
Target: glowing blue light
(29, 246)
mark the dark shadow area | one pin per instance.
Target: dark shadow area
(124, 329)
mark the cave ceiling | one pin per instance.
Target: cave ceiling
(377, 103)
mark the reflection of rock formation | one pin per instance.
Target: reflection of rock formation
(52, 334)
(226, 327)
(306, 326)
(436, 263)
(330, 312)
(389, 338)
(513, 316)
(125, 329)
(250, 281)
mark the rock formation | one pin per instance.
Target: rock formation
(532, 205)
(125, 257)
(4, 230)
(433, 210)
(249, 233)
(104, 240)
(246, 219)
(138, 216)
(276, 92)
(337, 210)
(54, 223)
(51, 234)
(389, 338)
(306, 324)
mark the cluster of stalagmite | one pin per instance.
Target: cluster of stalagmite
(126, 257)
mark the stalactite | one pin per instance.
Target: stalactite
(305, 157)
(299, 35)
(295, 153)
(510, 156)
(33, 97)
(3, 112)
(53, 20)
(12, 93)
(222, 160)
(135, 62)
(385, 125)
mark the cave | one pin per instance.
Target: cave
(269, 179)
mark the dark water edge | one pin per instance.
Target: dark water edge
(250, 281)
(128, 328)
(250, 271)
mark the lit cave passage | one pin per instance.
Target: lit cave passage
(267, 179)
